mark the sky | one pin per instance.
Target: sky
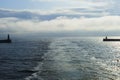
(84, 17)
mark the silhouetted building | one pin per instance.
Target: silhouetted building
(8, 40)
(106, 39)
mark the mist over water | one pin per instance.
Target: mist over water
(60, 59)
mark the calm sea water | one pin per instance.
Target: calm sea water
(60, 59)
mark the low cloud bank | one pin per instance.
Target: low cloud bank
(60, 24)
(90, 21)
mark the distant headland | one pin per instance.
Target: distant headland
(8, 40)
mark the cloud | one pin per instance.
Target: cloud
(52, 14)
(76, 3)
(75, 19)
(47, 0)
(61, 24)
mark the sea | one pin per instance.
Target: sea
(60, 58)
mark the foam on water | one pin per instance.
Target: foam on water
(77, 59)
(35, 75)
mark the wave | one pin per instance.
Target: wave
(70, 59)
